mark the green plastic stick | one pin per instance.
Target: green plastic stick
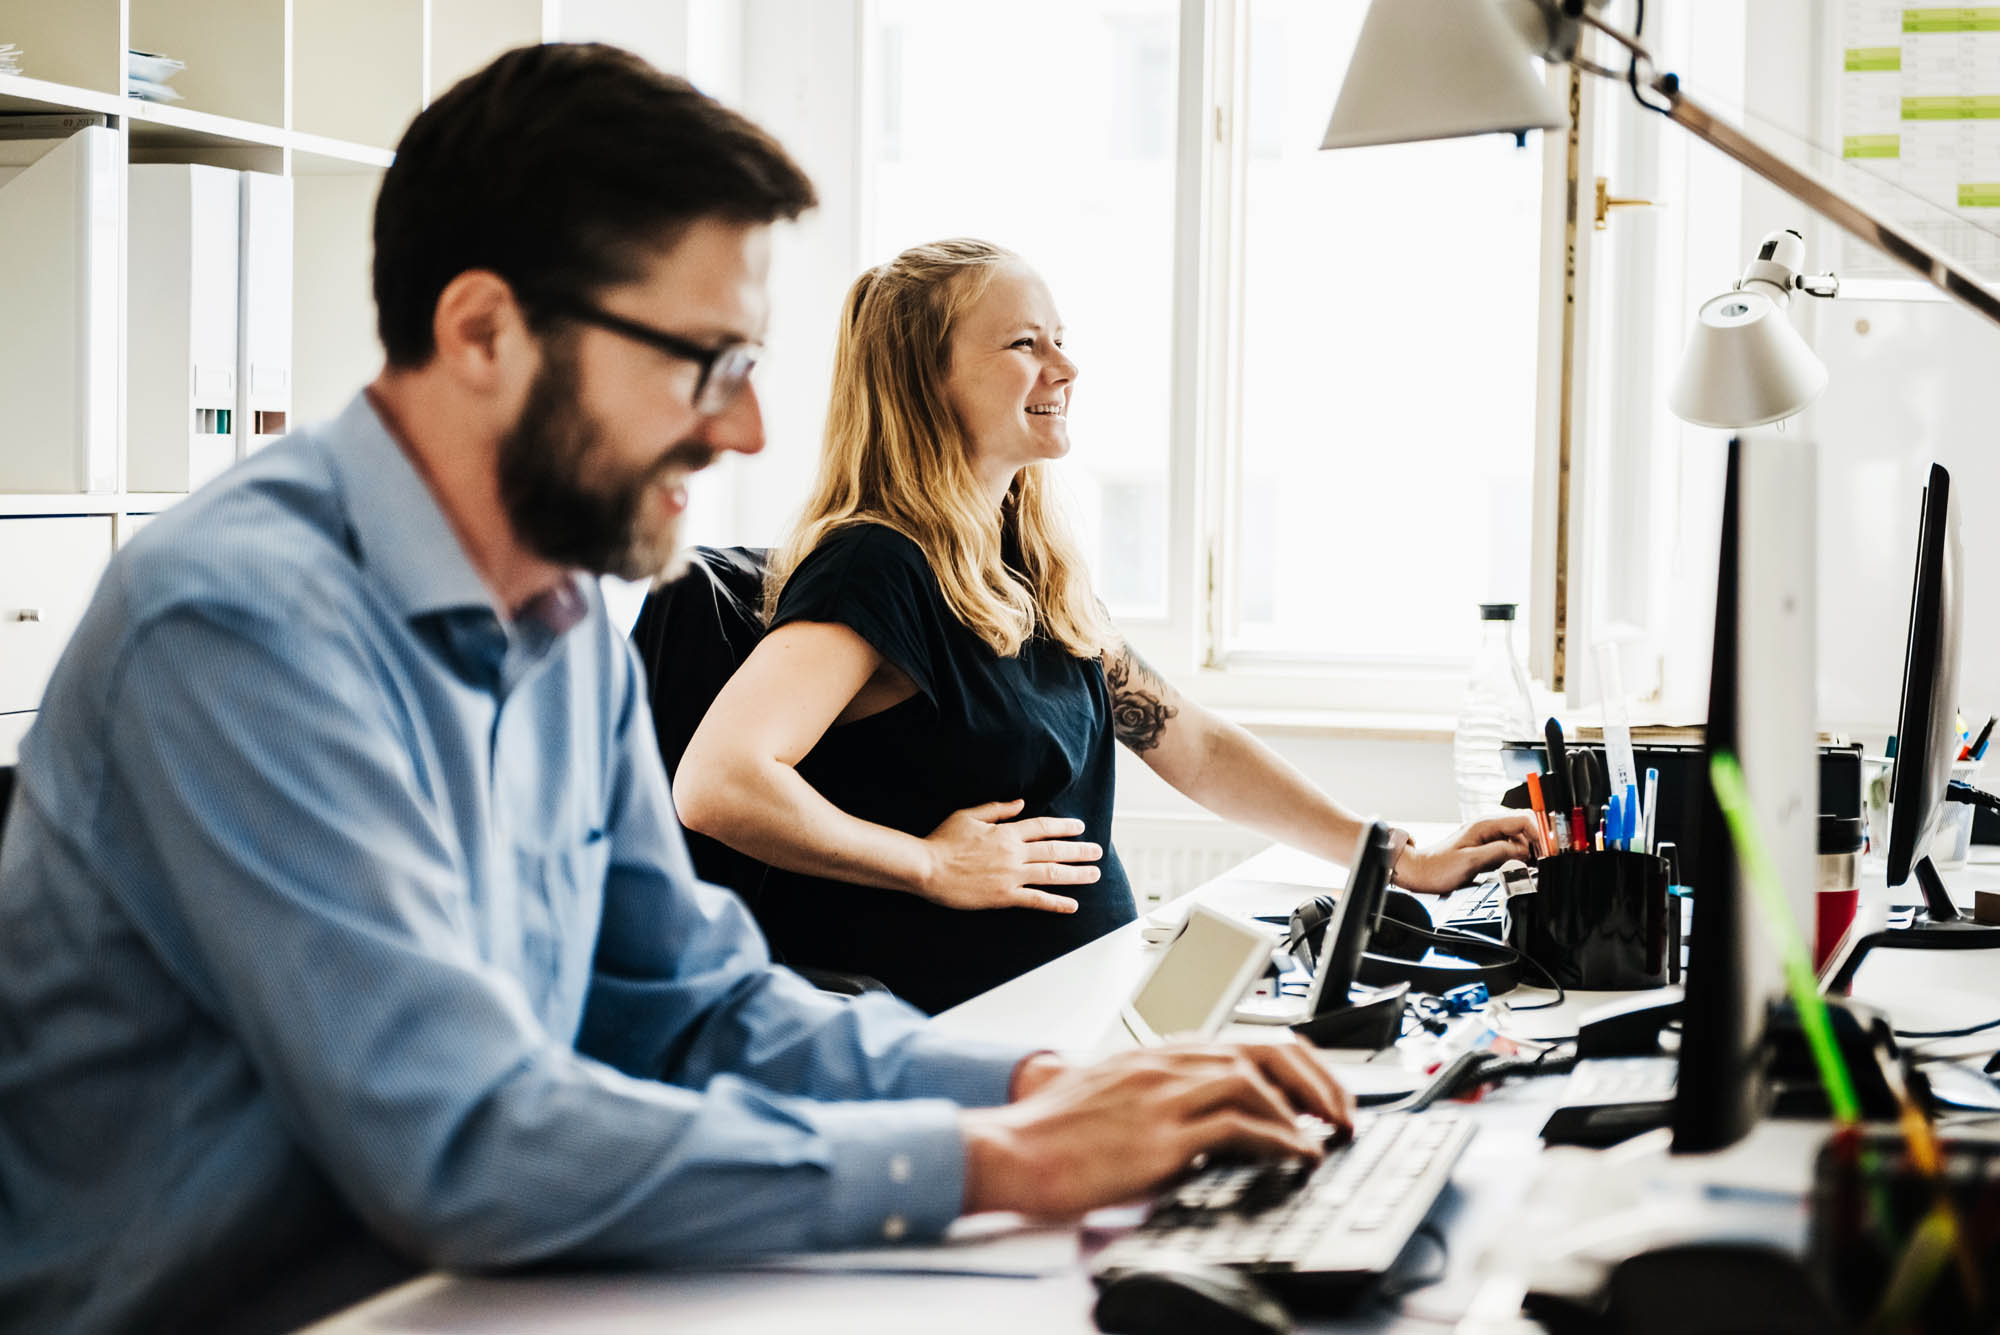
(1734, 799)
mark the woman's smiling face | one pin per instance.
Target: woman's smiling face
(1009, 380)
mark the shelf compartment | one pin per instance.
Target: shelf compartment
(66, 42)
(235, 55)
(357, 68)
(467, 34)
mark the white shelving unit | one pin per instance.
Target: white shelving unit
(317, 91)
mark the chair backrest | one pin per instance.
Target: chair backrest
(693, 633)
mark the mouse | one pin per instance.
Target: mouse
(1188, 1297)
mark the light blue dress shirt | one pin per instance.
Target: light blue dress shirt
(328, 888)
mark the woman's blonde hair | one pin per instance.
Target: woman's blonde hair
(897, 455)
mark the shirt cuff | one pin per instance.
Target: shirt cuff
(898, 1171)
(929, 1064)
(971, 1074)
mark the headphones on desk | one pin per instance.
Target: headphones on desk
(1401, 937)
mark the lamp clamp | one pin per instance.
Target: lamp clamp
(1777, 269)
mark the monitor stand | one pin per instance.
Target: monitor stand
(1939, 926)
(1939, 913)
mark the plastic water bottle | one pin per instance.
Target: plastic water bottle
(1498, 708)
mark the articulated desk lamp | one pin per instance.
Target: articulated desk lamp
(1745, 365)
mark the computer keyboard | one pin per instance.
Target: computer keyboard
(1316, 1234)
(1480, 907)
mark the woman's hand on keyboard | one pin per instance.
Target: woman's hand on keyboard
(1113, 1131)
(1480, 846)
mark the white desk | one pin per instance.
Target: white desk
(1072, 1003)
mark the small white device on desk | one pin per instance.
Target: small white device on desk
(1195, 985)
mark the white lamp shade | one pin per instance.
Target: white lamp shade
(1744, 365)
(1439, 69)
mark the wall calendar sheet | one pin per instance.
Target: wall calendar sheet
(1919, 114)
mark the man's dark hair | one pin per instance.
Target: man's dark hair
(563, 168)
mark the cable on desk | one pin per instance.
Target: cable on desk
(1449, 1079)
(1554, 982)
(1966, 1032)
(1480, 1066)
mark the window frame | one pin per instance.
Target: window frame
(1206, 454)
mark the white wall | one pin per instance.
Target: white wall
(1401, 781)
(1909, 382)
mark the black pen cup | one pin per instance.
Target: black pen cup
(1599, 921)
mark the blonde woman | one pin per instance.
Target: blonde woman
(921, 746)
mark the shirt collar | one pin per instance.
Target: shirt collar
(403, 537)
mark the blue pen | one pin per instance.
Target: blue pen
(1614, 823)
(1630, 811)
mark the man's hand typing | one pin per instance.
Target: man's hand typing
(1077, 1138)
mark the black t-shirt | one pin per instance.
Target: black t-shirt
(981, 728)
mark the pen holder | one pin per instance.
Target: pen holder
(1599, 921)
(1870, 1204)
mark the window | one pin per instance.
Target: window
(1299, 370)
(1047, 126)
(1388, 351)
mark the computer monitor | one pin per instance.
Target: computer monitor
(1927, 737)
(1761, 710)
(1355, 914)
(1926, 721)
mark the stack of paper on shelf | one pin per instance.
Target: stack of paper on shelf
(146, 75)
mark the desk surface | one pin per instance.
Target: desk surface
(1500, 1194)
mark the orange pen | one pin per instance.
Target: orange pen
(1541, 812)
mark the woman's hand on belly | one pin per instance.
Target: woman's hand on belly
(981, 858)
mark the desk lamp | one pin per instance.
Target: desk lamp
(1745, 365)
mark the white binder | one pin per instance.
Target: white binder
(59, 314)
(264, 361)
(181, 299)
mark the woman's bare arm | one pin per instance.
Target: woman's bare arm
(1220, 765)
(739, 783)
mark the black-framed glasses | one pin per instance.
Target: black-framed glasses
(724, 370)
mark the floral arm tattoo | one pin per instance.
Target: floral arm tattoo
(1139, 711)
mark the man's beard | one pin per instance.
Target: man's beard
(547, 463)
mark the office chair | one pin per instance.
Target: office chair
(692, 634)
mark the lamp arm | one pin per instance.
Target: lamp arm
(1719, 134)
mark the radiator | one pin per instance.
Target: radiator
(1167, 856)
